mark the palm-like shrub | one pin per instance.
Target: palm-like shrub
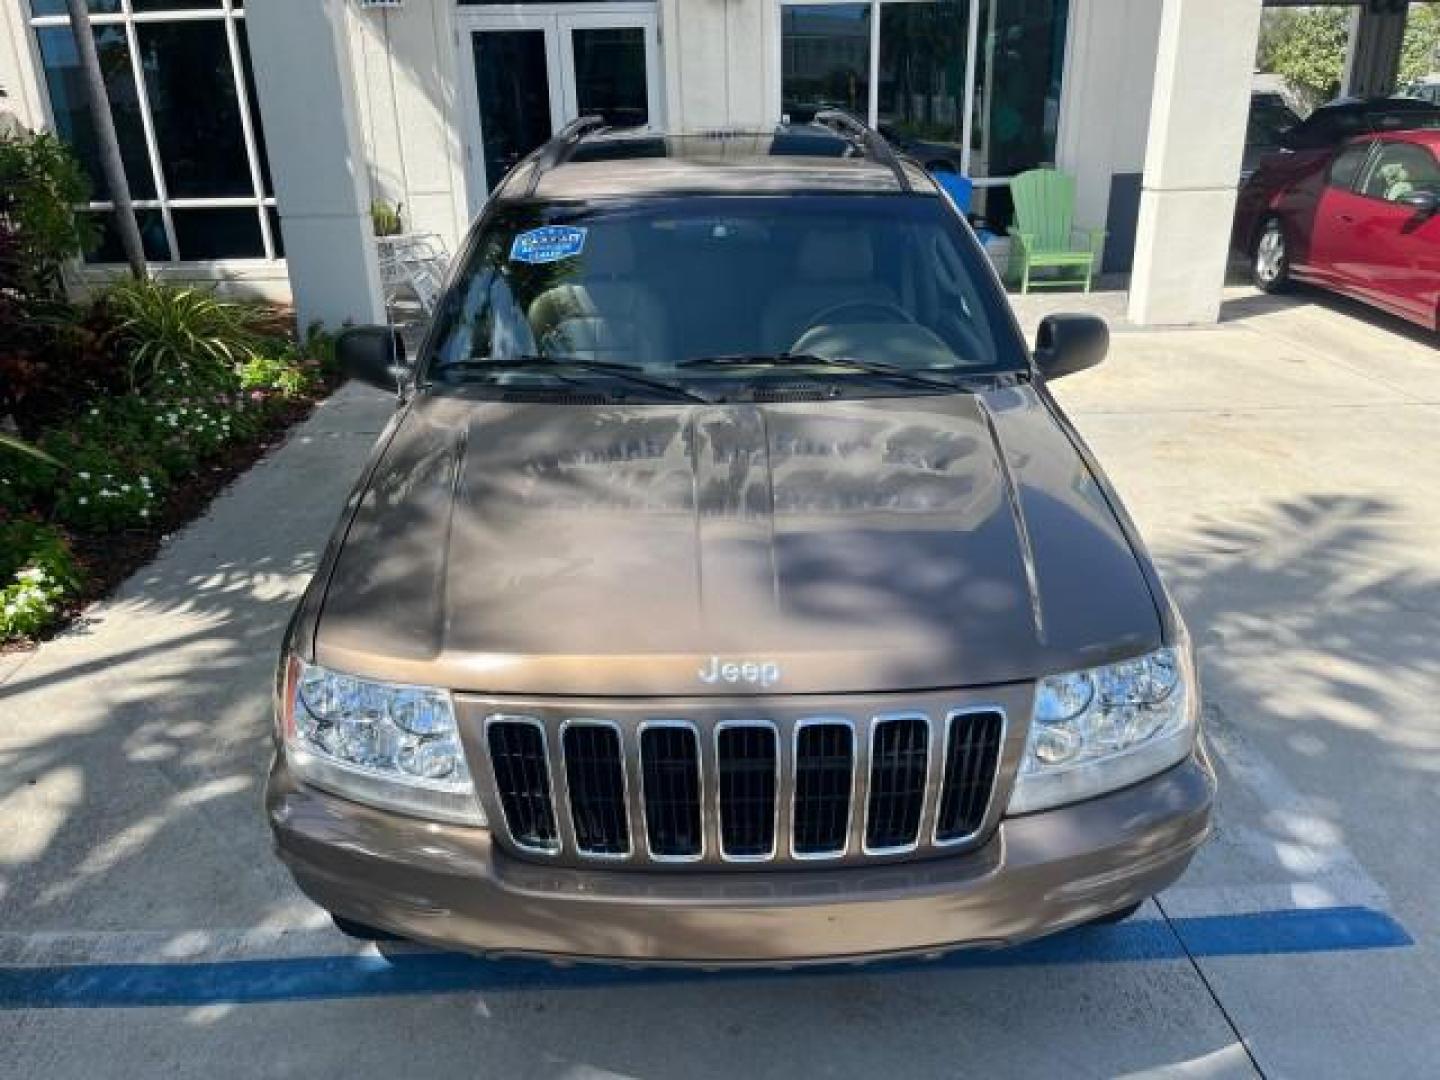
(184, 334)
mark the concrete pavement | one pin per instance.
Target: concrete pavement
(1285, 470)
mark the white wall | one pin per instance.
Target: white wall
(1105, 104)
(17, 74)
(404, 62)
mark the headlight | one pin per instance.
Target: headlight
(378, 743)
(1097, 730)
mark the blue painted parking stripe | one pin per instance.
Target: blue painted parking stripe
(101, 986)
(1338, 929)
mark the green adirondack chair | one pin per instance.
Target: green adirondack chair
(1044, 235)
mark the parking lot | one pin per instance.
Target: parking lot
(1285, 470)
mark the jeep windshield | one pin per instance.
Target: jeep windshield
(707, 295)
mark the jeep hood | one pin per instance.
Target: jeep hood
(878, 545)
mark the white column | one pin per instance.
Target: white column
(1105, 98)
(317, 157)
(718, 63)
(1192, 159)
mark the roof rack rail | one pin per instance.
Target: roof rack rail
(561, 145)
(874, 144)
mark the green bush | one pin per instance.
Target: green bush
(182, 337)
(319, 346)
(41, 183)
(37, 575)
(131, 433)
(286, 373)
(123, 399)
(26, 472)
(50, 354)
(100, 502)
(122, 455)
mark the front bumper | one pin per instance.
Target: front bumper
(452, 886)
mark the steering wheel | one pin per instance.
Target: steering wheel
(890, 313)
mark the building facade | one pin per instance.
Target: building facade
(257, 134)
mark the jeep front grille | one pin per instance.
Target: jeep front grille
(728, 790)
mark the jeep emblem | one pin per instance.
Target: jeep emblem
(763, 673)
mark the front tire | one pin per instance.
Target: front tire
(1270, 266)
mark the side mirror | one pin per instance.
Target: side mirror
(1422, 202)
(1066, 344)
(374, 355)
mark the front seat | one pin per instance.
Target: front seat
(831, 267)
(606, 313)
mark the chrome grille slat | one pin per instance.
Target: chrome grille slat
(673, 788)
(519, 762)
(973, 739)
(899, 774)
(821, 796)
(747, 765)
(635, 790)
(596, 787)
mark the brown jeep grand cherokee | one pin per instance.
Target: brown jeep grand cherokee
(729, 588)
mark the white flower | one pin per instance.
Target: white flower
(83, 475)
(84, 501)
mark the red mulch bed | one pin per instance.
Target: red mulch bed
(109, 559)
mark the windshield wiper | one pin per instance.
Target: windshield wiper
(626, 372)
(783, 359)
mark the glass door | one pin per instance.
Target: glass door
(612, 68)
(514, 89)
(526, 74)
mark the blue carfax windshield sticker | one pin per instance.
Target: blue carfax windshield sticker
(548, 244)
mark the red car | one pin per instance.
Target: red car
(1361, 219)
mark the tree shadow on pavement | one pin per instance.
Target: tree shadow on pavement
(132, 754)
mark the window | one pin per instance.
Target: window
(825, 59)
(1346, 167)
(968, 85)
(663, 280)
(182, 94)
(1399, 169)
